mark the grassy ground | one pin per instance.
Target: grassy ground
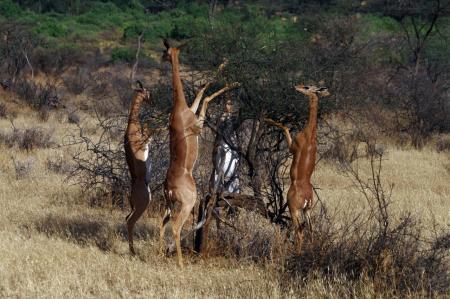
(420, 184)
(54, 244)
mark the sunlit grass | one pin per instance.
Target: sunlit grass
(54, 244)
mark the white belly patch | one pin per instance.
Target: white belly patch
(148, 165)
(146, 152)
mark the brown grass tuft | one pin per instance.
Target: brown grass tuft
(254, 238)
(28, 139)
(23, 168)
(3, 111)
(443, 144)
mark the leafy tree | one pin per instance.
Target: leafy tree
(268, 64)
(419, 80)
(17, 46)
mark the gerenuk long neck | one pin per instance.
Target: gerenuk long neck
(178, 94)
(135, 108)
(313, 107)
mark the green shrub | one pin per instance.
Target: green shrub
(57, 57)
(188, 26)
(133, 30)
(9, 9)
(52, 28)
(122, 54)
(88, 19)
(197, 10)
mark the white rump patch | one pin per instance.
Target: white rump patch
(146, 152)
(148, 166)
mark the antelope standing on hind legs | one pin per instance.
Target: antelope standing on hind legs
(304, 149)
(184, 127)
(136, 152)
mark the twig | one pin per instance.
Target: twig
(29, 64)
(138, 51)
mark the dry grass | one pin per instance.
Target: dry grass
(420, 182)
(54, 244)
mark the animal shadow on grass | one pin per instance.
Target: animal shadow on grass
(85, 232)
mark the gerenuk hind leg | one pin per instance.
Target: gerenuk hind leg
(140, 198)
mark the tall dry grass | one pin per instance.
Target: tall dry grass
(53, 244)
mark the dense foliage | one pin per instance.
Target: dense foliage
(386, 46)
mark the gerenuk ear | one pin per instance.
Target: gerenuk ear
(138, 86)
(166, 43)
(323, 91)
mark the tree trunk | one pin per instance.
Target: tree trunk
(254, 161)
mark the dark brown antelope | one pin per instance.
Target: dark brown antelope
(136, 152)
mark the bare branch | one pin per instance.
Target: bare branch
(138, 51)
(285, 129)
(29, 64)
